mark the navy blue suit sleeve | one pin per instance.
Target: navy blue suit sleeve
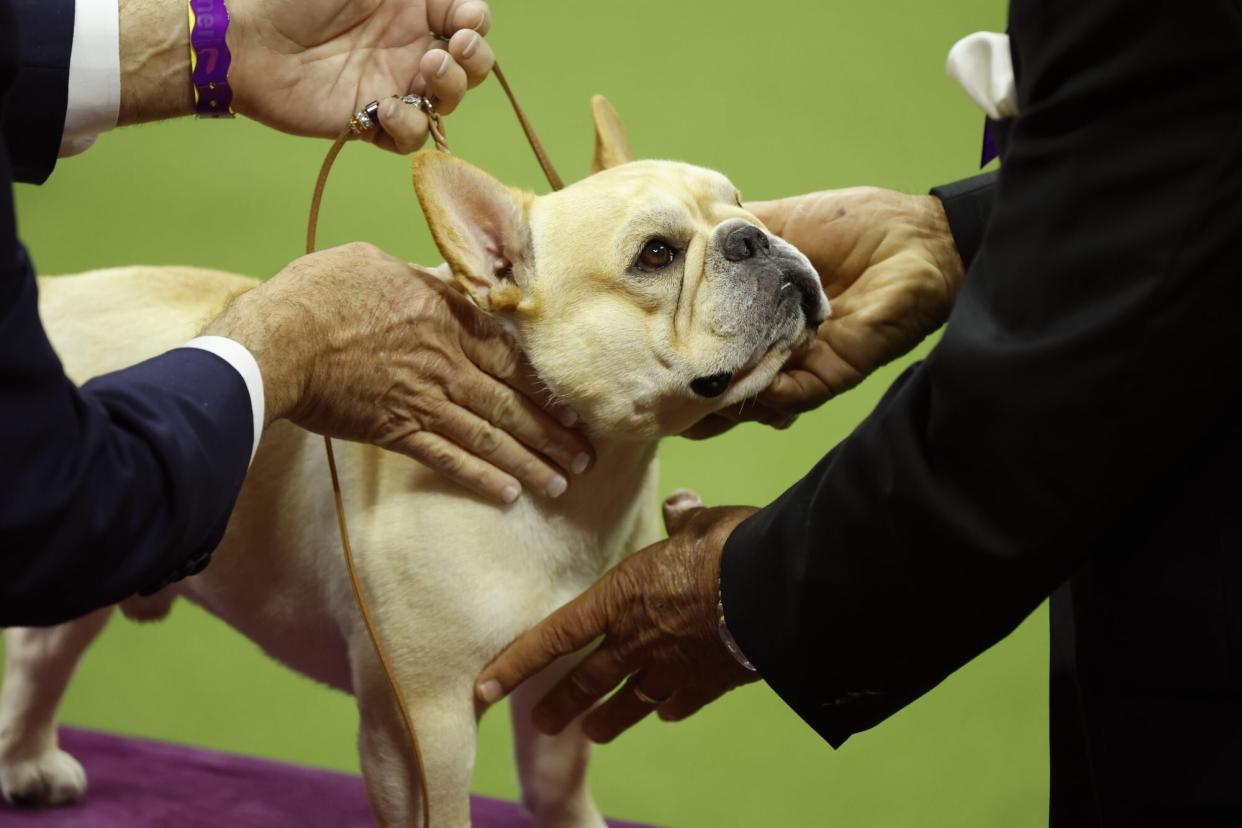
(33, 113)
(115, 487)
(1091, 354)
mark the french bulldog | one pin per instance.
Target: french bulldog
(645, 296)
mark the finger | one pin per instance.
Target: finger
(779, 418)
(495, 354)
(450, 16)
(713, 425)
(768, 212)
(565, 631)
(797, 390)
(473, 54)
(493, 445)
(404, 126)
(446, 80)
(624, 709)
(679, 508)
(686, 703)
(459, 465)
(523, 378)
(580, 689)
(528, 427)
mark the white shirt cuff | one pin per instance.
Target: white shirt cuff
(235, 354)
(983, 65)
(94, 74)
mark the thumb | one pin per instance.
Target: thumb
(768, 212)
(679, 507)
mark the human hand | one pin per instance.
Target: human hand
(356, 344)
(306, 66)
(889, 265)
(657, 614)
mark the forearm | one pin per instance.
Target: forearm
(155, 61)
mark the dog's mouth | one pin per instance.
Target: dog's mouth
(794, 291)
(767, 363)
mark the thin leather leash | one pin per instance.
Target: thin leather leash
(394, 685)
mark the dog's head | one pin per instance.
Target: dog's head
(645, 296)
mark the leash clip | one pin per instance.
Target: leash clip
(367, 118)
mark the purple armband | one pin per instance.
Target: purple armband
(210, 58)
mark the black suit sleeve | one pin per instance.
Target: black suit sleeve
(1092, 349)
(968, 206)
(117, 486)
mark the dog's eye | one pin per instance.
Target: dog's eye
(656, 254)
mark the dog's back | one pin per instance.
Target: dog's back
(107, 319)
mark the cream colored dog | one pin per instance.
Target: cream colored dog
(644, 296)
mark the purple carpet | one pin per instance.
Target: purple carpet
(133, 783)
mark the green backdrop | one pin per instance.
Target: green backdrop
(783, 97)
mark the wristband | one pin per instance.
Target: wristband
(726, 637)
(210, 58)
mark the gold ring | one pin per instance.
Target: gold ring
(645, 699)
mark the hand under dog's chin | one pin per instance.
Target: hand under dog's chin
(751, 381)
(748, 383)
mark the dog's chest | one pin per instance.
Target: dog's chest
(459, 576)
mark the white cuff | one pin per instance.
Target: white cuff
(983, 65)
(94, 74)
(235, 354)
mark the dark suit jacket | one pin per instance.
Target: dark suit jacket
(128, 481)
(1078, 418)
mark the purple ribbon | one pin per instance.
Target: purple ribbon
(211, 69)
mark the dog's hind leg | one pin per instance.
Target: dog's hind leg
(38, 663)
(552, 769)
(447, 727)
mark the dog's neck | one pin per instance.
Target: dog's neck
(621, 463)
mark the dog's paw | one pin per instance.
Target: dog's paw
(55, 778)
(580, 814)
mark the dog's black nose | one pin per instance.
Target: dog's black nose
(712, 386)
(745, 242)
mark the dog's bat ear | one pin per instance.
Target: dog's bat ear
(480, 225)
(612, 146)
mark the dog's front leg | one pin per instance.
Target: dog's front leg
(552, 769)
(38, 663)
(447, 725)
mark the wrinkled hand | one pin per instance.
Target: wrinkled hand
(306, 66)
(889, 265)
(356, 344)
(657, 614)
